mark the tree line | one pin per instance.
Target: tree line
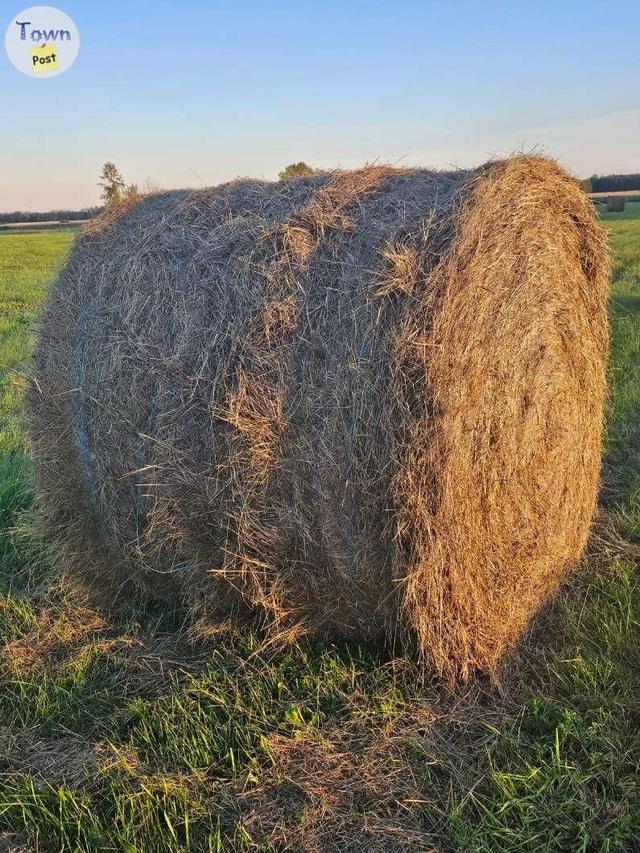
(614, 183)
(49, 215)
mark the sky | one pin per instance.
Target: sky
(192, 94)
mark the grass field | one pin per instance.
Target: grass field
(119, 736)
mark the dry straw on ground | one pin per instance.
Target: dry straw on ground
(354, 404)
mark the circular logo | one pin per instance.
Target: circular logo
(42, 41)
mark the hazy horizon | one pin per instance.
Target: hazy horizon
(193, 94)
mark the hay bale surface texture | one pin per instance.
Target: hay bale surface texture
(353, 404)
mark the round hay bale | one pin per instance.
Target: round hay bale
(615, 203)
(354, 404)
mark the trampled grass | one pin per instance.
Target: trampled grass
(122, 736)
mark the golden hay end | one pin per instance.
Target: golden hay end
(354, 404)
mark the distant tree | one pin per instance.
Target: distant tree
(295, 170)
(112, 184)
(587, 185)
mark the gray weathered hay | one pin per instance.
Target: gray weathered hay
(354, 404)
(615, 203)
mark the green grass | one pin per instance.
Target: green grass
(27, 262)
(123, 737)
(622, 472)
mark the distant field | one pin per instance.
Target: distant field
(629, 194)
(52, 225)
(119, 736)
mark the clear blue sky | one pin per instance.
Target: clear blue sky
(194, 93)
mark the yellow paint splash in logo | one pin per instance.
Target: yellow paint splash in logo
(44, 58)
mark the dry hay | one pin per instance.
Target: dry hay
(68, 760)
(356, 404)
(361, 785)
(55, 634)
(346, 791)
